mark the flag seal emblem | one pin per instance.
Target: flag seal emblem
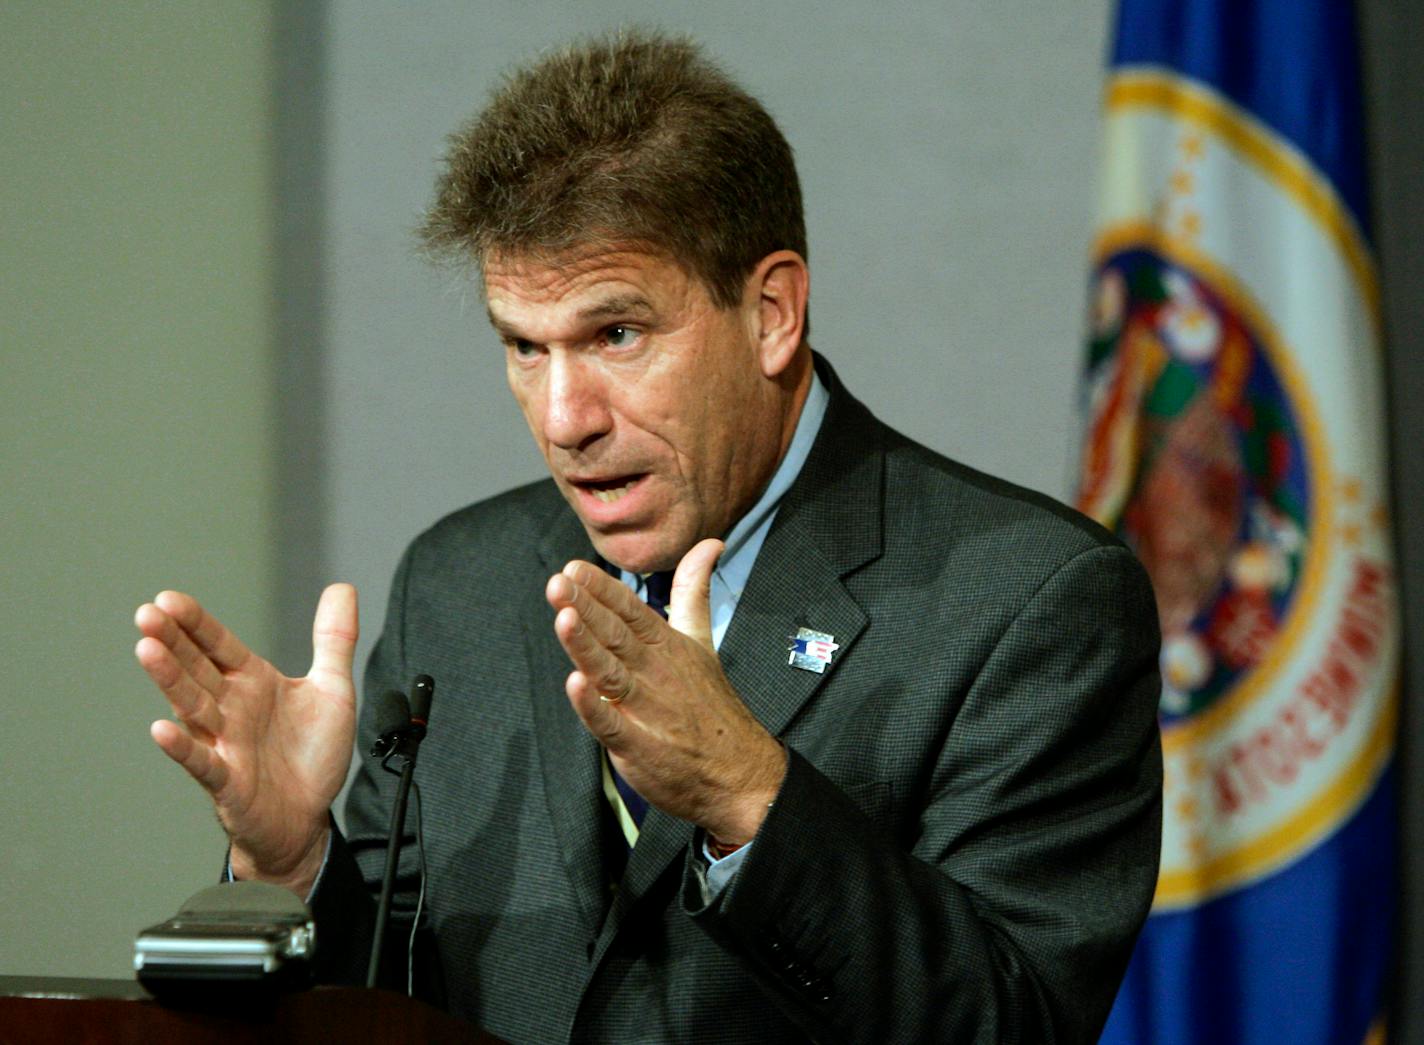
(1222, 444)
(811, 650)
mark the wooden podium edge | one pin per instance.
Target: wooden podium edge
(49, 1009)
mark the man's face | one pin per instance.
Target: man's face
(647, 400)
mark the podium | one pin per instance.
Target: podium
(49, 1009)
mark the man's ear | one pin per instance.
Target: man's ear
(776, 295)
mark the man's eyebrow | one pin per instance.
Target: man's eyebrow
(501, 328)
(632, 305)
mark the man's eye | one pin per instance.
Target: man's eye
(521, 348)
(620, 336)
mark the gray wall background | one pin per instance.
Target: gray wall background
(301, 395)
(136, 440)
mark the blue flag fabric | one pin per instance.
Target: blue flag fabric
(1235, 438)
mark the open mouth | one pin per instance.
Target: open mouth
(608, 490)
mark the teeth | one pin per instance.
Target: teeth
(609, 496)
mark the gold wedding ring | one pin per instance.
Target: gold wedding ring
(620, 697)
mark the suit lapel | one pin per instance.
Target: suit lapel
(755, 652)
(828, 525)
(567, 752)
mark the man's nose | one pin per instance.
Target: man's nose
(576, 412)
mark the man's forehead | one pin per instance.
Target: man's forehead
(588, 286)
(571, 264)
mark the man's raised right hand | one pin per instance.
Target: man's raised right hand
(271, 751)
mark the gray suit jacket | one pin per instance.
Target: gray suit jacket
(966, 842)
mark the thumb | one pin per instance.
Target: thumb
(689, 611)
(334, 631)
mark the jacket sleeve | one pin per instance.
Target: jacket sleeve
(1008, 912)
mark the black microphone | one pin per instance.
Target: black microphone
(400, 727)
(422, 690)
(392, 721)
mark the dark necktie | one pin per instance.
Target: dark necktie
(658, 588)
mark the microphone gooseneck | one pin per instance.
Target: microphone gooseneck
(400, 727)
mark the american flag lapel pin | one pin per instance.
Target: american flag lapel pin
(811, 650)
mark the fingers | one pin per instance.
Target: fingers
(221, 646)
(607, 595)
(608, 632)
(155, 623)
(614, 639)
(614, 615)
(334, 631)
(690, 611)
(191, 702)
(600, 670)
(175, 628)
(602, 718)
(199, 760)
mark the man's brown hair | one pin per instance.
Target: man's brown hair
(635, 139)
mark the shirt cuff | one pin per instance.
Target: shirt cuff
(228, 876)
(720, 872)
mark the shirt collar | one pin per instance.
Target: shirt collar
(747, 536)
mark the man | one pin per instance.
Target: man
(934, 817)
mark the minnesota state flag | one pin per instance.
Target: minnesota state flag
(1235, 438)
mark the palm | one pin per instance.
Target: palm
(286, 744)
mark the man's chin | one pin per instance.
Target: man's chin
(638, 552)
